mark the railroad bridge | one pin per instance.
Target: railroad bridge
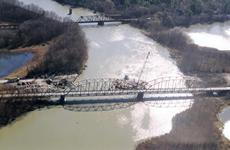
(9, 26)
(101, 19)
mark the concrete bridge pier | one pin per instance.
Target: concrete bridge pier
(100, 23)
(70, 11)
(140, 96)
(62, 100)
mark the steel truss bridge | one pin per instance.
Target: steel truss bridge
(112, 87)
(9, 26)
(101, 19)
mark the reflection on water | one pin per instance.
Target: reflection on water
(114, 51)
(216, 35)
(150, 121)
(11, 62)
(59, 129)
(226, 130)
(225, 118)
(123, 50)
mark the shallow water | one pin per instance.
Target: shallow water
(225, 118)
(216, 35)
(11, 62)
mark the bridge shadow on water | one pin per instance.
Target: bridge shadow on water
(90, 105)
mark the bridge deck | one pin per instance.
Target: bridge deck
(102, 19)
(111, 20)
(111, 93)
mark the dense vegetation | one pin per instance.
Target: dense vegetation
(167, 13)
(66, 54)
(68, 46)
(34, 27)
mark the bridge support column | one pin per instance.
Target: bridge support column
(70, 11)
(100, 23)
(140, 96)
(62, 100)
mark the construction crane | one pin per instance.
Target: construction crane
(142, 70)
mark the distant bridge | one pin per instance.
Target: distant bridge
(113, 87)
(9, 26)
(101, 19)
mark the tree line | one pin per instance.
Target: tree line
(68, 48)
(67, 54)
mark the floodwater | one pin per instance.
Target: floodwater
(114, 51)
(9, 62)
(216, 35)
(225, 118)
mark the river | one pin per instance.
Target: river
(216, 35)
(114, 51)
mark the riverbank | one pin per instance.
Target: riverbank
(13, 110)
(196, 128)
(192, 129)
(219, 124)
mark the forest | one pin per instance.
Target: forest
(68, 44)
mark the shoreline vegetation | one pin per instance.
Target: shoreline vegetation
(59, 42)
(197, 127)
(55, 43)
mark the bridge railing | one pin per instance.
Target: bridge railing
(97, 87)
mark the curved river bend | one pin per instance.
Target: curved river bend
(114, 51)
